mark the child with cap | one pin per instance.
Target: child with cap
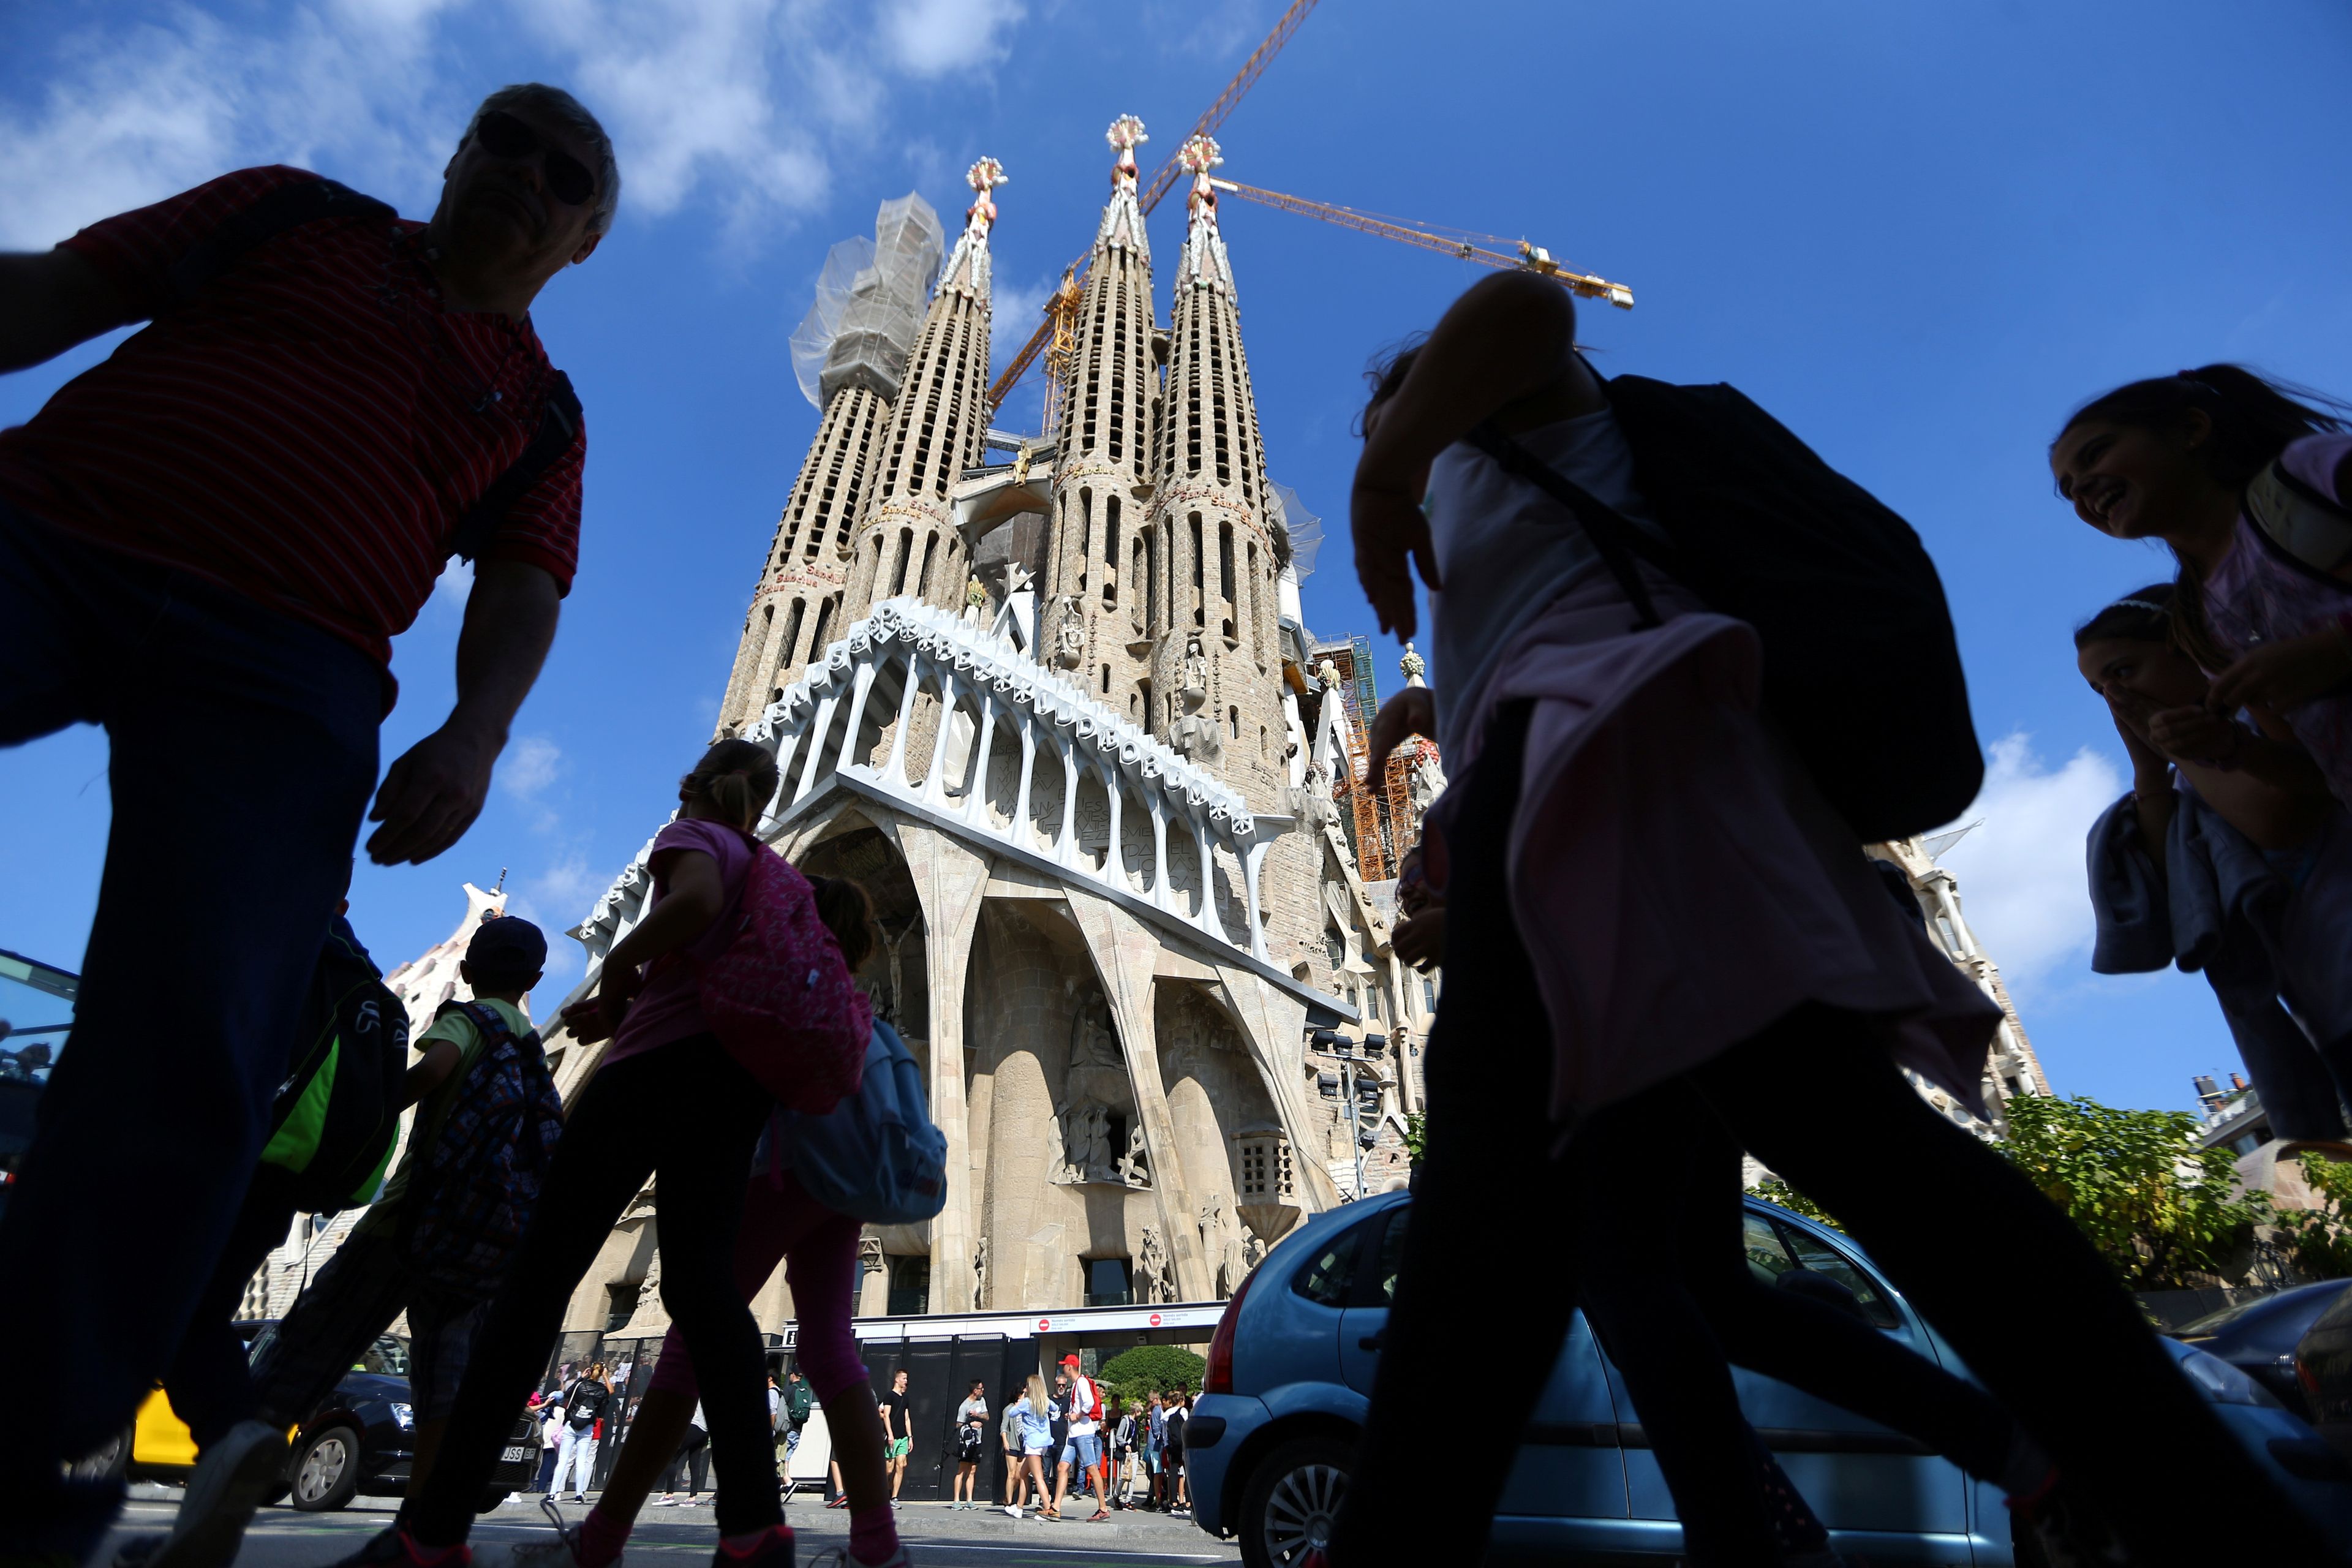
(369, 1279)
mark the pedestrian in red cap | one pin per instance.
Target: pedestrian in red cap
(1084, 1445)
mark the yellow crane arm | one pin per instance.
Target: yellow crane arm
(1165, 177)
(1530, 258)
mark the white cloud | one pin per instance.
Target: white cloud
(2021, 874)
(739, 103)
(932, 37)
(555, 901)
(531, 764)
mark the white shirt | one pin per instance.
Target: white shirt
(1082, 1406)
(1505, 549)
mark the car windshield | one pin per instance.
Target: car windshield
(36, 1004)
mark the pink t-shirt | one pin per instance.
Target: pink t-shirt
(670, 1005)
(2256, 597)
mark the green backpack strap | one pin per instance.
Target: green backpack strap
(296, 1140)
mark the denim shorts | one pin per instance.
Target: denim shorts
(1086, 1447)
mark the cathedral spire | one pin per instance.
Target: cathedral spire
(1122, 219)
(967, 267)
(1204, 260)
(907, 541)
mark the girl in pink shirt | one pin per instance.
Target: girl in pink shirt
(2177, 458)
(666, 1102)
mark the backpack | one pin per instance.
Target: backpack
(1862, 669)
(313, 201)
(336, 1119)
(2311, 530)
(779, 996)
(1095, 1411)
(473, 1190)
(876, 1156)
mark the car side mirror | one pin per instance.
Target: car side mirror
(1821, 1287)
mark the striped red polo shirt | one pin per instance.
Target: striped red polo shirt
(307, 430)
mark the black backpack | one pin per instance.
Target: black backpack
(478, 1182)
(314, 201)
(1862, 669)
(337, 1114)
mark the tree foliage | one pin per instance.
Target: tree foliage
(1416, 1134)
(1131, 1375)
(1773, 1190)
(2319, 1240)
(2157, 1207)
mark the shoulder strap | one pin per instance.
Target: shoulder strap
(1613, 533)
(559, 426)
(288, 206)
(2309, 529)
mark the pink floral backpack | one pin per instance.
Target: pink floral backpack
(779, 996)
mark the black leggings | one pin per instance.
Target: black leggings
(687, 1114)
(2005, 1277)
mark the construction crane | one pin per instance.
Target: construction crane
(1053, 331)
(1461, 243)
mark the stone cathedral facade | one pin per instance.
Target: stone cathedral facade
(1050, 699)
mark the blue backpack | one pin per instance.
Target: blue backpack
(876, 1156)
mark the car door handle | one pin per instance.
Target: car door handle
(1373, 1342)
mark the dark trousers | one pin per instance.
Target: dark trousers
(244, 748)
(1817, 1097)
(691, 1463)
(686, 1114)
(209, 1381)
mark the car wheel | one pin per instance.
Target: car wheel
(327, 1470)
(1293, 1498)
(109, 1462)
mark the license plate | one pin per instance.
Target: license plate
(519, 1451)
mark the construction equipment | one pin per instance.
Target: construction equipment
(1521, 256)
(1053, 331)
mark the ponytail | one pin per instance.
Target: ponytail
(737, 778)
(2254, 419)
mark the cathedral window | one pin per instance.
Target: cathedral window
(1429, 996)
(1111, 1283)
(906, 553)
(1106, 679)
(1234, 720)
(824, 617)
(792, 634)
(910, 1287)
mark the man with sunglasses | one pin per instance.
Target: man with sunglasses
(207, 543)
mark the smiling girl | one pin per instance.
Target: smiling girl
(2246, 484)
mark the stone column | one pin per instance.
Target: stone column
(1273, 1024)
(1124, 951)
(950, 878)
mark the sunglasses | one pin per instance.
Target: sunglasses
(503, 136)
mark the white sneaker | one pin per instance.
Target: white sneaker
(224, 1489)
(1013, 1511)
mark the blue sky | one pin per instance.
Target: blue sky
(1918, 234)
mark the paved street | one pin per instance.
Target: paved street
(936, 1536)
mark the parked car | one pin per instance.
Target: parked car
(2323, 1365)
(1290, 1370)
(356, 1443)
(2258, 1337)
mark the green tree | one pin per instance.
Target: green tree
(1416, 1134)
(1133, 1374)
(2157, 1207)
(2320, 1240)
(1773, 1190)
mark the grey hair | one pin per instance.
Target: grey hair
(572, 115)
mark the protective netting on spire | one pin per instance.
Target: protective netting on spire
(1297, 532)
(869, 303)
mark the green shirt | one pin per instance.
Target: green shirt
(434, 1108)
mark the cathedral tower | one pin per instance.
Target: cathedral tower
(858, 335)
(1099, 561)
(1215, 662)
(907, 541)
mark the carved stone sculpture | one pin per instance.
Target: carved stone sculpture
(980, 1273)
(1070, 639)
(1092, 1043)
(1195, 686)
(1153, 1273)
(1413, 666)
(1135, 1165)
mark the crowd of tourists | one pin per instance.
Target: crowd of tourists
(1683, 672)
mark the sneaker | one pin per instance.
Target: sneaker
(665, 1502)
(394, 1547)
(1013, 1511)
(564, 1551)
(773, 1550)
(229, 1483)
(1099, 1515)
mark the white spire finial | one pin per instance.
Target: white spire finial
(984, 177)
(1126, 133)
(1200, 154)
